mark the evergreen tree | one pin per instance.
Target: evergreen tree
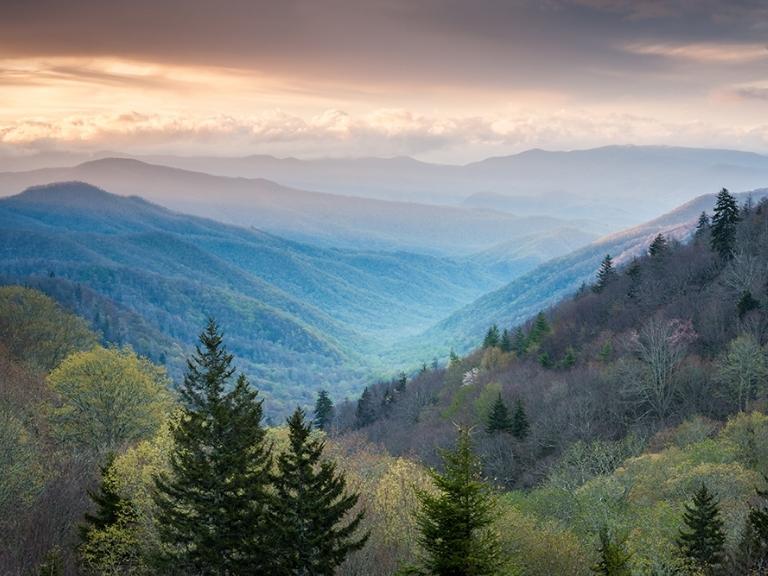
(520, 342)
(746, 304)
(539, 329)
(108, 501)
(605, 275)
(456, 523)
(569, 359)
(658, 247)
(755, 537)
(212, 508)
(324, 411)
(499, 419)
(52, 564)
(633, 271)
(315, 535)
(702, 540)
(614, 558)
(505, 344)
(491, 339)
(520, 424)
(402, 381)
(702, 226)
(453, 359)
(366, 412)
(724, 221)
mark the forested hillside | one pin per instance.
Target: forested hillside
(297, 316)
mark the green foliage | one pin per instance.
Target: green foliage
(52, 564)
(492, 337)
(724, 221)
(37, 331)
(702, 540)
(606, 274)
(365, 413)
(311, 508)
(702, 225)
(21, 473)
(520, 342)
(324, 410)
(520, 425)
(212, 505)
(746, 304)
(659, 246)
(456, 523)
(505, 343)
(499, 419)
(107, 398)
(539, 330)
(613, 556)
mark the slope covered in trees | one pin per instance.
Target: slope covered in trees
(298, 316)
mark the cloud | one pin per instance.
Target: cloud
(704, 52)
(383, 132)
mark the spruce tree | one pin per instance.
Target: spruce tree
(53, 564)
(366, 412)
(108, 501)
(613, 556)
(724, 221)
(633, 272)
(456, 532)
(324, 411)
(520, 342)
(756, 533)
(702, 539)
(213, 505)
(702, 226)
(499, 419)
(605, 275)
(520, 424)
(658, 247)
(505, 344)
(315, 533)
(402, 382)
(491, 339)
(539, 329)
(746, 304)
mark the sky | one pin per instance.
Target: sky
(440, 80)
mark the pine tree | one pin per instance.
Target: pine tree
(315, 535)
(505, 344)
(324, 411)
(453, 359)
(499, 419)
(702, 540)
(702, 226)
(491, 339)
(605, 275)
(614, 558)
(633, 272)
(520, 342)
(52, 564)
(402, 382)
(108, 501)
(366, 412)
(520, 424)
(569, 359)
(724, 221)
(456, 523)
(746, 304)
(539, 329)
(755, 537)
(212, 508)
(658, 247)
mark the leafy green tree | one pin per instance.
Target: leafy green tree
(107, 398)
(456, 532)
(520, 424)
(702, 540)
(52, 565)
(724, 221)
(313, 517)
(605, 275)
(324, 410)
(212, 507)
(658, 247)
(492, 337)
(499, 419)
(613, 556)
(366, 412)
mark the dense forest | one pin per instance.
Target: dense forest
(621, 432)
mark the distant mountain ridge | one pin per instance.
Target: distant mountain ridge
(297, 316)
